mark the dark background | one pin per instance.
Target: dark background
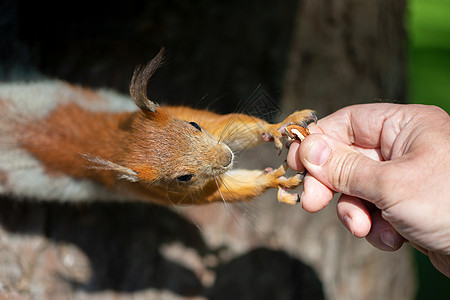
(217, 51)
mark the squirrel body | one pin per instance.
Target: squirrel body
(66, 143)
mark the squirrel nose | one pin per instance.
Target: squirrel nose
(225, 159)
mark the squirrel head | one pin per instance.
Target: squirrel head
(167, 150)
(163, 150)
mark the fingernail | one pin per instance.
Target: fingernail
(387, 238)
(348, 223)
(318, 152)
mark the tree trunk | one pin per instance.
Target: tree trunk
(346, 52)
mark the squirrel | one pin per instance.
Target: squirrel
(62, 142)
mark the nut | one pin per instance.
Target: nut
(296, 132)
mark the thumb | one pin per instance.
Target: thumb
(340, 167)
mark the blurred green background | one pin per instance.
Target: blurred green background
(428, 26)
(429, 52)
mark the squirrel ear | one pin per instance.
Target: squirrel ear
(103, 164)
(139, 82)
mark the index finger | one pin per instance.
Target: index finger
(360, 125)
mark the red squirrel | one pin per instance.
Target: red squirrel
(66, 143)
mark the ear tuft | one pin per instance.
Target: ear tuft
(139, 82)
(103, 164)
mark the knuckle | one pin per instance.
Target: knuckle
(344, 170)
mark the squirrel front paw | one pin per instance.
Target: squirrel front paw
(277, 179)
(276, 132)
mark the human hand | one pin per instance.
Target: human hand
(392, 165)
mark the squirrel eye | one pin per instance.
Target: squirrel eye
(185, 178)
(195, 125)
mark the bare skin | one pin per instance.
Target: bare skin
(392, 165)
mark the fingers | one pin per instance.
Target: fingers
(340, 167)
(355, 215)
(334, 166)
(315, 195)
(293, 158)
(361, 125)
(382, 235)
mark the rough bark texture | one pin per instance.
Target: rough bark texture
(337, 53)
(346, 52)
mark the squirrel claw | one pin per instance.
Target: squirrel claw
(304, 124)
(302, 118)
(278, 143)
(312, 118)
(284, 183)
(277, 178)
(276, 132)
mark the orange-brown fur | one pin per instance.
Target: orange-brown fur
(154, 153)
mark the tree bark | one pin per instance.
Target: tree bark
(346, 52)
